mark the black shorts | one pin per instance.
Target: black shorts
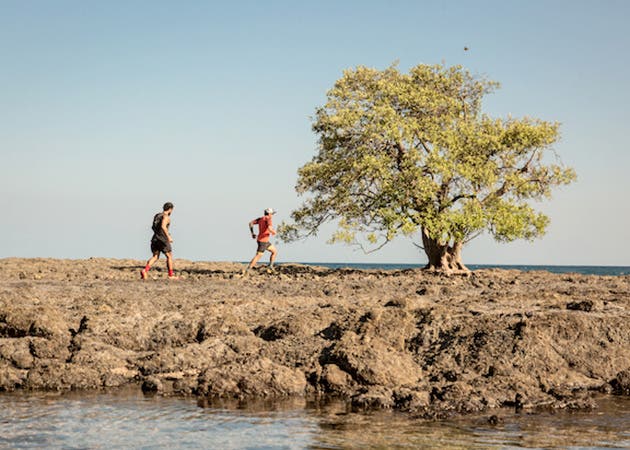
(158, 246)
(263, 247)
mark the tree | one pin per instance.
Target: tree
(413, 153)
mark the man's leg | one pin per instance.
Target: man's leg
(169, 264)
(253, 262)
(272, 258)
(150, 262)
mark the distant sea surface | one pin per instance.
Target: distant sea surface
(586, 270)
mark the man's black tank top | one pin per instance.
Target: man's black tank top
(159, 235)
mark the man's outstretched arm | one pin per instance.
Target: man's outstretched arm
(251, 228)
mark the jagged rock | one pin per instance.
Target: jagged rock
(409, 340)
(335, 380)
(152, 385)
(621, 383)
(251, 378)
(370, 361)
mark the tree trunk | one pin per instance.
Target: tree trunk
(442, 256)
(456, 257)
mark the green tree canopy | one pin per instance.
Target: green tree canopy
(413, 153)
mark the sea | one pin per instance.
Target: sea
(128, 419)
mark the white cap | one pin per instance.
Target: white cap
(270, 211)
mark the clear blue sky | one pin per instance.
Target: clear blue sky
(109, 109)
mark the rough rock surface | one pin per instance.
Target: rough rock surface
(414, 341)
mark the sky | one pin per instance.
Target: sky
(110, 109)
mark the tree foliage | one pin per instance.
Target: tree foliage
(407, 153)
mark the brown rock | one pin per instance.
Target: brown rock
(408, 340)
(53, 348)
(61, 376)
(378, 397)
(11, 378)
(335, 380)
(152, 385)
(621, 383)
(371, 362)
(252, 378)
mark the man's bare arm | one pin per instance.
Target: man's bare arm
(165, 221)
(251, 229)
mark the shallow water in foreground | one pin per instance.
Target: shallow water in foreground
(128, 419)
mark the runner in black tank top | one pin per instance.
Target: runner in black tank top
(161, 241)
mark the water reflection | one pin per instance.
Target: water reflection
(127, 419)
(607, 427)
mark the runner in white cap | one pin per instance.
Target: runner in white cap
(265, 231)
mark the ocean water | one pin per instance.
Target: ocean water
(128, 419)
(586, 270)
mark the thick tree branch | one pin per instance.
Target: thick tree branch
(366, 251)
(419, 246)
(424, 145)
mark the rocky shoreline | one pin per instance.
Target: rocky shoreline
(409, 340)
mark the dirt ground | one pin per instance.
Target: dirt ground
(408, 340)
